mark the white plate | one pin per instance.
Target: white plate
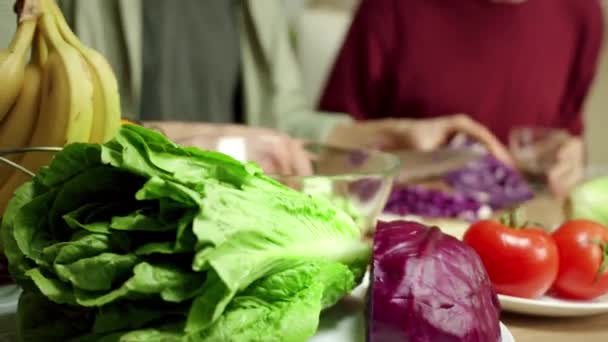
(554, 307)
(346, 323)
(351, 328)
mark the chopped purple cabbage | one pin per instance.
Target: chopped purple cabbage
(486, 182)
(428, 286)
(490, 181)
(425, 202)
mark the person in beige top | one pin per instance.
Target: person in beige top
(236, 75)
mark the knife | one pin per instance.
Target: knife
(422, 165)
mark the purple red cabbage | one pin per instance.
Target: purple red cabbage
(428, 286)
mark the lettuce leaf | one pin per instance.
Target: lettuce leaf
(141, 220)
(588, 201)
(281, 307)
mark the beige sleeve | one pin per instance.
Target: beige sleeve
(292, 112)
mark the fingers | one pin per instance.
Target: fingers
(568, 169)
(301, 164)
(430, 134)
(278, 157)
(369, 134)
(463, 124)
(572, 149)
(177, 130)
(419, 134)
(283, 155)
(275, 154)
(562, 178)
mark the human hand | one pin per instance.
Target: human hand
(421, 134)
(568, 167)
(273, 151)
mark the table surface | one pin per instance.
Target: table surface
(533, 329)
(547, 211)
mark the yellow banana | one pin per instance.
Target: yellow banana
(106, 100)
(99, 109)
(17, 127)
(66, 106)
(12, 64)
(39, 50)
(67, 89)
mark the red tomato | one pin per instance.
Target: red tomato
(521, 262)
(583, 247)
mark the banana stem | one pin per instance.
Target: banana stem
(23, 37)
(39, 49)
(49, 27)
(63, 26)
(27, 10)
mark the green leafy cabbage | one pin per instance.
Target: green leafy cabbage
(589, 200)
(145, 240)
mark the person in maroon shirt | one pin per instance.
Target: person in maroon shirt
(504, 63)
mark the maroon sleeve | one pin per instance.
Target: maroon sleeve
(583, 70)
(355, 85)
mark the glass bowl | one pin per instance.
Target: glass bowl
(357, 181)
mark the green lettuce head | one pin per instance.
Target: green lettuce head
(143, 240)
(589, 201)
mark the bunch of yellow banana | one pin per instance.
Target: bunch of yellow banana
(54, 91)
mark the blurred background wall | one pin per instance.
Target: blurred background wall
(597, 107)
(7, 29)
